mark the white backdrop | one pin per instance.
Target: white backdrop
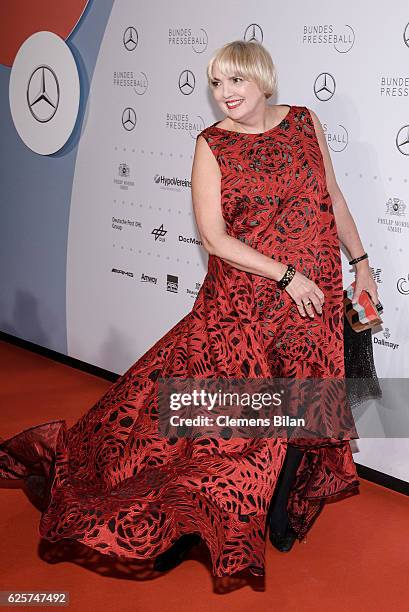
(149, 98)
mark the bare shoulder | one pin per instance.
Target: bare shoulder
(315, 120)
(203, 147)
(204, 159)
(319, 130)
(332, 185)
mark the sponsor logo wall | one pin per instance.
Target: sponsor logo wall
(131, 203)
(135, 262)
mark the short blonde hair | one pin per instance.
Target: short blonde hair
(248, 59)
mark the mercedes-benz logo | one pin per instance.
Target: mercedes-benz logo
(43, 93)
(324, 86)
(402, 140)
(253, 32)
(187, 82)
(406, 35)
(129, 119)
(130, 38)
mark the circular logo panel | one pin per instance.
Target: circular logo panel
(44, 92)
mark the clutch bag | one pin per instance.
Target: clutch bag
(364, 313)
(360, 373)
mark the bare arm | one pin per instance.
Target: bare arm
(346, 227)
(206, 197)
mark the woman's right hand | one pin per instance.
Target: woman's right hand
(306, 294)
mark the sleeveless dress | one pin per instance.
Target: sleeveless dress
(117, 486)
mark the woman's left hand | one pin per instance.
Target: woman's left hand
(364, 281)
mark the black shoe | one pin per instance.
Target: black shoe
(283, 541)
(176, 553)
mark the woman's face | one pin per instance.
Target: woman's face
(237, 98)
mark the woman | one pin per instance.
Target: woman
(265, 197)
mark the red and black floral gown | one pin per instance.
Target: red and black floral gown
(117, 486)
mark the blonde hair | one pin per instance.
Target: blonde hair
(248, 59)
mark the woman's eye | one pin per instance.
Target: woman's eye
(215, 83)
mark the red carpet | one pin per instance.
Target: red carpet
(356, 556)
